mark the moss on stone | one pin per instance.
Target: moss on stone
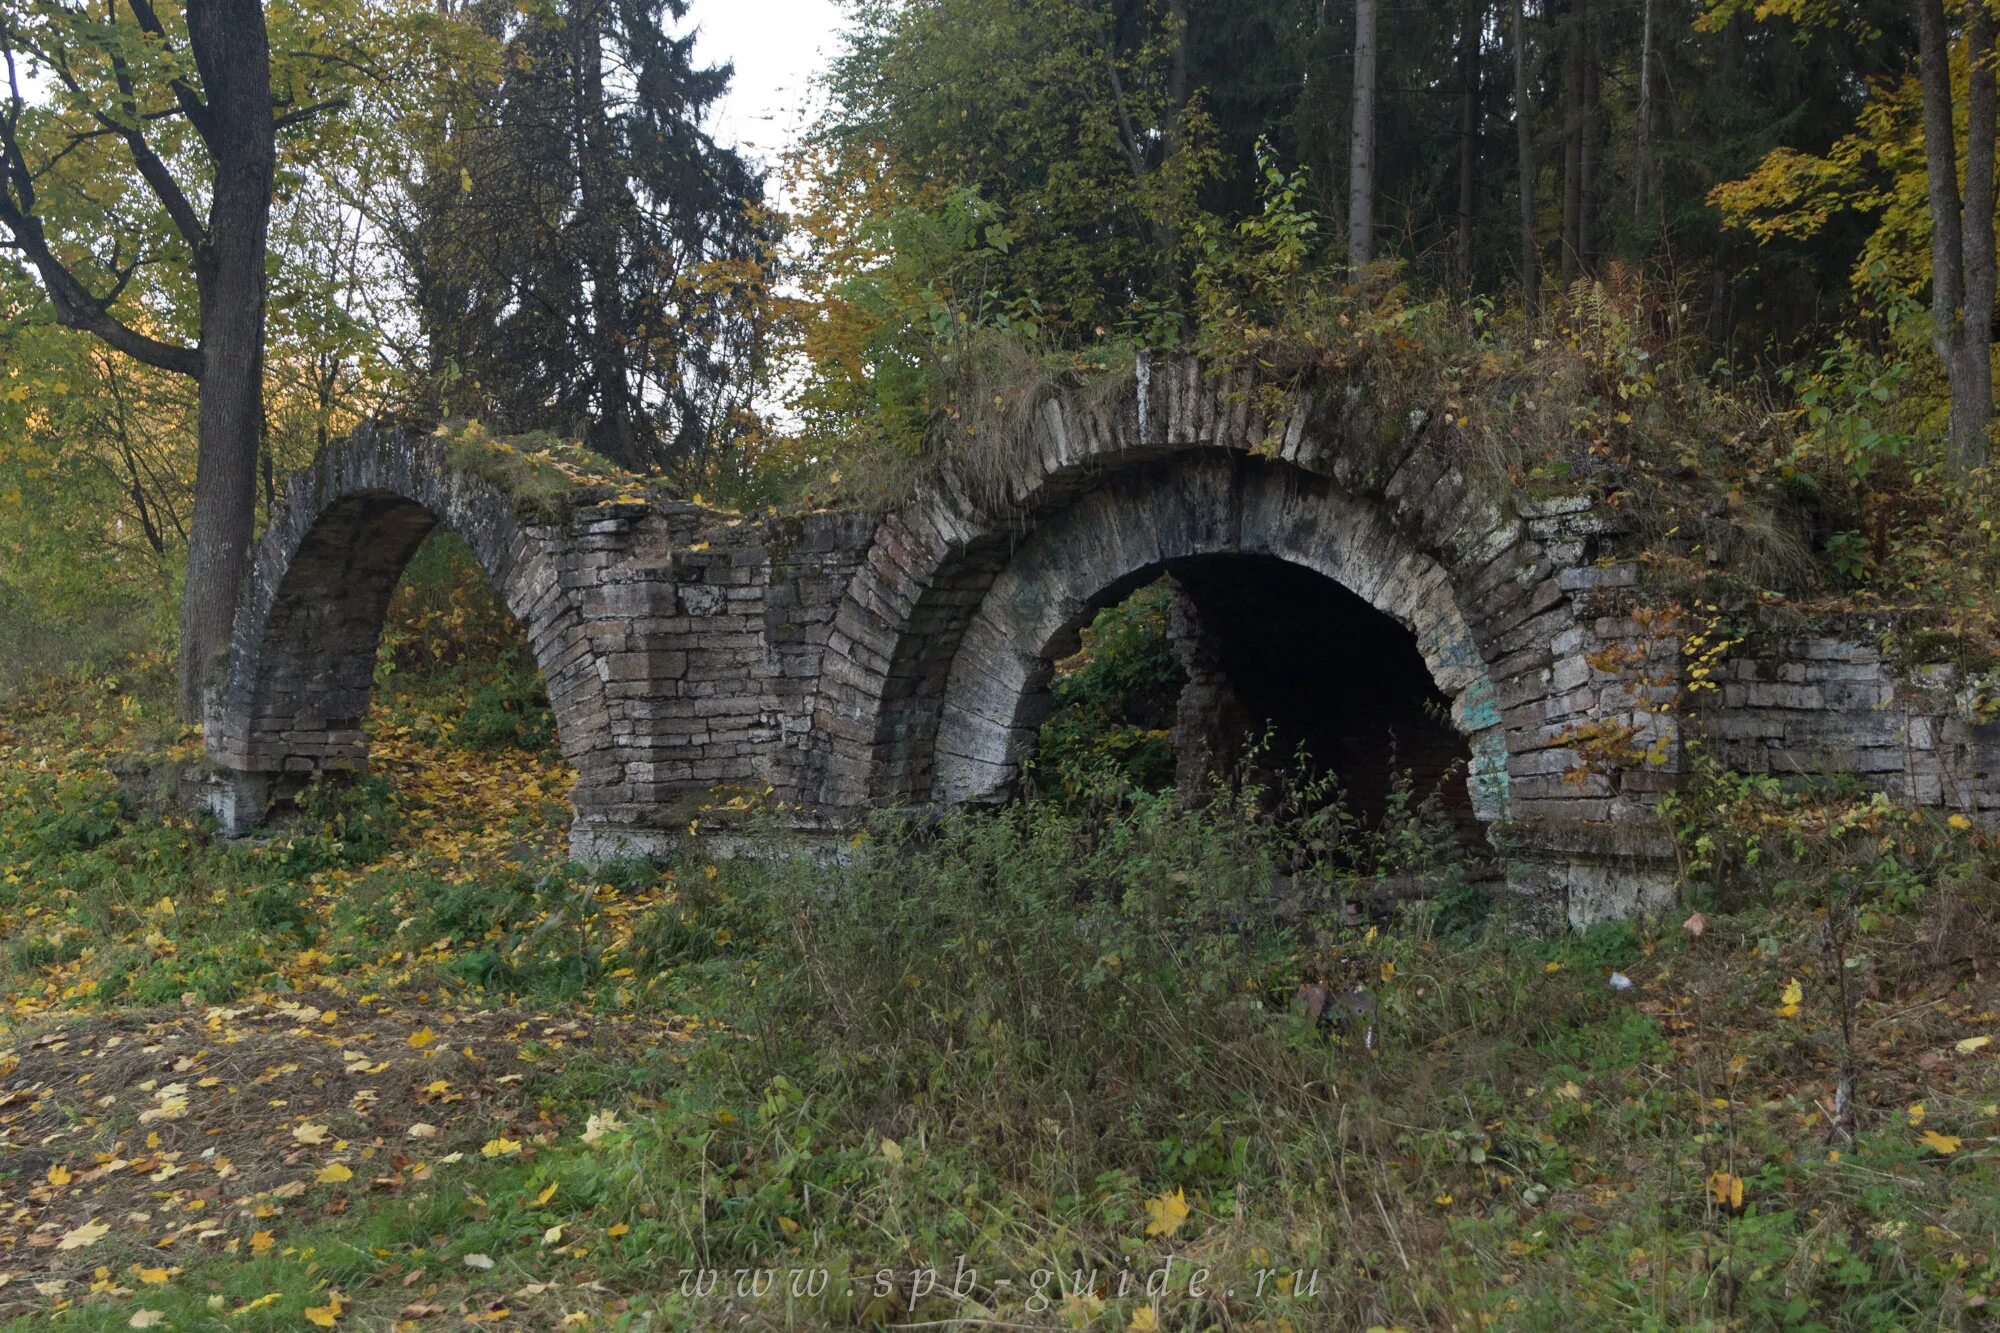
(548, 478)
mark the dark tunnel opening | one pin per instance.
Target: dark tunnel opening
(1247, 666)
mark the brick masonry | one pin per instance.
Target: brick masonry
(824, 663)
(1832, 704)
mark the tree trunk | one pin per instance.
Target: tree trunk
(1524, 141)
(615, 433)
(1172, 286)
(1642, 133)
(1471, 25)
(1961, 246)
(232, 52)
(1969, 439)
(1590, 144)
(1572, 105)
(1361, 142)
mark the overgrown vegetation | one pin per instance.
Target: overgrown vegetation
(1105, 1058)
(443, 1074)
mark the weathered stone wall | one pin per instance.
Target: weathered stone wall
(679, 646)
(1815, 707)
(819, 664)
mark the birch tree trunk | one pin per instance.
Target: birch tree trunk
(1361, 142)
(1524, 147)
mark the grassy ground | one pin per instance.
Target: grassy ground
(398, 1065)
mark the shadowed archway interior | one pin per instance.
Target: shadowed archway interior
(1319, 681)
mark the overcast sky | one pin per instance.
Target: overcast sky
(777, 47)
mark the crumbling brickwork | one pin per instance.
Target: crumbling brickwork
(823, 663)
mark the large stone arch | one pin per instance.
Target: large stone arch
(293, 694)
(940, 648)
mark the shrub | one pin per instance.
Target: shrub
(1066, 987)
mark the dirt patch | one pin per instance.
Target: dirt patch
(137, 1142)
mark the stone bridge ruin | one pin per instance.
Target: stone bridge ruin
(1335, 570)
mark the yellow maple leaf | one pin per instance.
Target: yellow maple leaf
(1166, 1213)
(59, 1175)
(1788, 1003)
(309, 1133)
(1971, 1044)
(500, 1147)
(1916, 1114)
(1945, 1144)
(260, 1241)
(145, 1318)
(152, 1277)
(1144, 1321)
(87, 1234)
(325, 1315)
(335, 1173)
(421, 1038)
(546, 1194)
(1726, 1189)
(1959, 822)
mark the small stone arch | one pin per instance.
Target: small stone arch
(940, 653)
(295, 689)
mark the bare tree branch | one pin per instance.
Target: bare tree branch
(74, 304)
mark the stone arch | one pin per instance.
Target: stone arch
(1143, 520)
(940, 648)
(293, 695)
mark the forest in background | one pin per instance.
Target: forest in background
(1643, 235)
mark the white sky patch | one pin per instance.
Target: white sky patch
(779, 49)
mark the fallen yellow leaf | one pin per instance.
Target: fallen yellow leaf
(1971, 1044)
(87, 1234)
(1945, 1144)
(334, 1173)
(1166, 1213)
(324, 1315)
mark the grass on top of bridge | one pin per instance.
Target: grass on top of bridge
(398, 1064)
